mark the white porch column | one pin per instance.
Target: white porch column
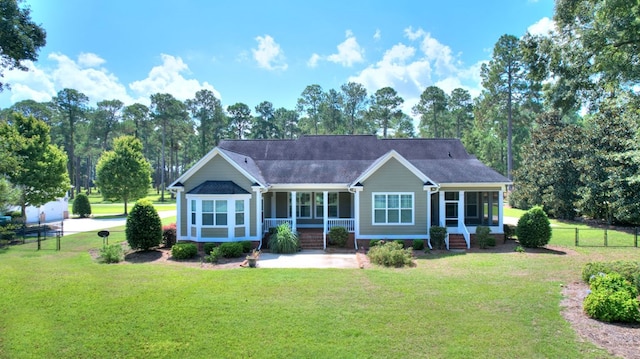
(179, 214)
(247, 218)
(441, 210)
(356, 216)
(273, 205)
(198, 219)
(325, 215)
(294, 215)
(501, 210)
(429, 218)
(460, 209)
(259, 219)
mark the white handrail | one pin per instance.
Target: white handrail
(275, 222)
(348, 223)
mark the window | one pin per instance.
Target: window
(451, 208)
(393, 208)
(214, 213)
(303, 204)
(239, 212)
(332, 206)
(193, 212)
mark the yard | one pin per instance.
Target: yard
(479, 304)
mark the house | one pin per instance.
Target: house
(375, 188)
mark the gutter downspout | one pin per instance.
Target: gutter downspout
(430, 190)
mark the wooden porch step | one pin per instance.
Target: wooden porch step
(456, 241)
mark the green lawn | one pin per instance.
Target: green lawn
(499, 305)
(101, 208)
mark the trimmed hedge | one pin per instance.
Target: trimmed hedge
(144, 227)
(231, 249)
(81, 206)
(438, 234)
(338, 236)
(184, 251)
(612, 299)
(418, 244)
(534, 228)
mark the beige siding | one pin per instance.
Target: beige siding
(215, 232)
(218, 169)
(393, 177)
(185, 217)
(239, 232)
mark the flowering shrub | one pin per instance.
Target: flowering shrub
(169, 233)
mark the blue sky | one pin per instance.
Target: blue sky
(254, 51)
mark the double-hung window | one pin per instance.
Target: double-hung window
(332, 204)
(303, 204)
(393, 208)
(214, 212)
(240, 212)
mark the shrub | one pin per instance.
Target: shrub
(208, 247)
(81, 205)
(144, 227)
(418, 244)
(438, 235)
(112, 253)
(169, 233)
(184, 251)
(246, 246)
(629, 270)
(284, 240)
(374, 242)
(509, 231)
(231, 249)
(400, 242)
(519, 249)
(338, 236)
(390, 254)
(612, 299)
(214, 255)
(483, 238)
(534, 229)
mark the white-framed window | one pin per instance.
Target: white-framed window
(451, 208)
(214, 213)
(393, 208)
(239, 212)
(332, 205)
(303, 205)
(193, 212)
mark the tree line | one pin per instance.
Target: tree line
(557, 114)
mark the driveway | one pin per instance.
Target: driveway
(77, 225)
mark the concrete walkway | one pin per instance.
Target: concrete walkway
(308, 259)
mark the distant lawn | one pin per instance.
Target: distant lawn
(485, 305)
(100, 208)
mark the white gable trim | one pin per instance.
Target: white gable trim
(377, 164)
(205, 160)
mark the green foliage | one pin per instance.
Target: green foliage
(247, 246)
(534, 228)
(509, 231)
(284, 240)
(629, 270)
(612, 299)
(438, 234)
(112, 253)
(81, 205)
(338, 236)
(9, 195)
(519, 249)
(374, 242)
(123, 174)
(169, 235)
(214, 255)
(209, 246)
(231, 249)
(418, 244)
(184, 251)
(144, 227)
(390, 254)
(400, 242)
(483, 237)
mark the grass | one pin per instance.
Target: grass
(500, 305)
(102, 208)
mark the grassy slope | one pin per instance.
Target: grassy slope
(63, 304)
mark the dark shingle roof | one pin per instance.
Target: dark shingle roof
(342, 159)
(218, 187)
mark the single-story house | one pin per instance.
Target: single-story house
(376, 188)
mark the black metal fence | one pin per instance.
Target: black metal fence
(597, 237)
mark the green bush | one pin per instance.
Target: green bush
(112, 253)
(390, 254)
(400, 242)
(214, 255)
(612, 299)
(144, 227)
(374, 242)
(284, 240)
(483, 238)
(247, 246)
(629, 270)
(534, 229)
(169, 233)
(231, 249)
(438, 234)
(81, 205)
(418, 244)
(338, 236)
(509, 231)
(184, 251)
(209, 246)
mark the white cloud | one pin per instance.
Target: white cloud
(413, 35)
(33, 84)
(88, 59)
(269, 55)
(377, 35)
(349, 51)
(313, 60)
(168, 78)
(544, 26)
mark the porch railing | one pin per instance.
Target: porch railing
(275, 222)
(348, 223)
(465, 233)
